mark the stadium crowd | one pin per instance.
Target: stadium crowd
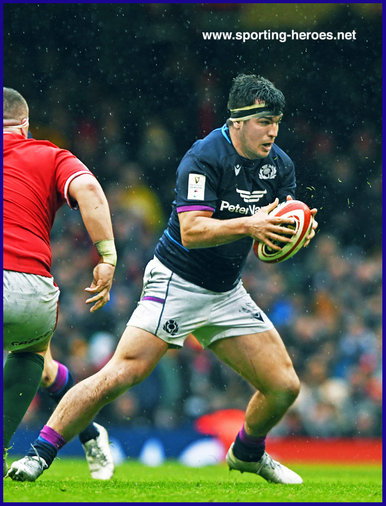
(131, 131)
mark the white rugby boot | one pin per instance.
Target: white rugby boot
(266, 467)
(27, 469)
(98, 454)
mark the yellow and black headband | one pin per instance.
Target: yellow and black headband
(251, 111)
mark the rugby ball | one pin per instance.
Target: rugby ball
(303, 224)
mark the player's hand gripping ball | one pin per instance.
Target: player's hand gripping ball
(303, 224)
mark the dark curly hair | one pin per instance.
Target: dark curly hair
(246, 89)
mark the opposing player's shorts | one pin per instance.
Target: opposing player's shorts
(30, 309)
(172, 308)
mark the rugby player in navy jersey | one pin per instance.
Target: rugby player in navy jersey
(227, 183)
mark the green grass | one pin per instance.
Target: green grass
(69, 481)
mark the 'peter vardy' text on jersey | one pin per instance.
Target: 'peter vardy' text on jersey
(212, 176)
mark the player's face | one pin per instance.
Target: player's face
(257, 135)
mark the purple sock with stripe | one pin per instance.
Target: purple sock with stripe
(47, 445)
(51, 436)
(251, 440)
(60, 380)
(249, 448)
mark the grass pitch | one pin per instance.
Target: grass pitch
(68, 480)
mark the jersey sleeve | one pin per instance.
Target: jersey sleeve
(68, 167)
(196, 187)
(287, 181)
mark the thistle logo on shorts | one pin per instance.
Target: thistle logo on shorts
(171, 327)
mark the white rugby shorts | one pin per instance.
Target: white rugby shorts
(30, 309)
(171, 308)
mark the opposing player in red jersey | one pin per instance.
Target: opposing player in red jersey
(38, 179)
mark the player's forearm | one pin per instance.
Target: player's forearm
(96, 218)
(96, 215)
(204, 232)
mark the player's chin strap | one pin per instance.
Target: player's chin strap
(259, 110)
(107, 252)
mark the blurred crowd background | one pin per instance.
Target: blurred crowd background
(128, 88)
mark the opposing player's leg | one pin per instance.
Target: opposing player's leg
(29, 319)
(264, 362)
(21, 378)
(136, 355)
(57, 380)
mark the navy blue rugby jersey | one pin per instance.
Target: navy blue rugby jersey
(212, 176)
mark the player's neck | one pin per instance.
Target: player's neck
(14, 130)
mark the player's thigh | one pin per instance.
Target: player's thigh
(137, 353)
(30, 307)
(261, 359)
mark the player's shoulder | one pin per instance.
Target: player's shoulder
(30, 146)
(50, 151)
(44, 144)
(280, 157)
(212, 148)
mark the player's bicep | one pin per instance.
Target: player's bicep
(191, 222)
(87, 193)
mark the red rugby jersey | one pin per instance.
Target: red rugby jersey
(36, 177)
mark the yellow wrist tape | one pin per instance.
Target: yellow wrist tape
(106, 250)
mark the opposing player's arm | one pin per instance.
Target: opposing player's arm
(95, 212)
(93, 206)
(200, 230)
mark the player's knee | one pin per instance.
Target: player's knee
(284, 389)
(48, 376)
(293, 389)
(119, 375)
(289, 389)
(46, 380)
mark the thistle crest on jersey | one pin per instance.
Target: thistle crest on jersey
(267, 171)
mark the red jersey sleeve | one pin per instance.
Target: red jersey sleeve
(68, 167)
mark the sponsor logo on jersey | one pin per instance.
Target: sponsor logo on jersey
(237, 169)
(254, 196)
(232, 208)
(196, 187)
(267, 171)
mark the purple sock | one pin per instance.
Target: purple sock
(47, 445)
(251, 440)
(249, 448)
(60, 380)
(51, 436)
